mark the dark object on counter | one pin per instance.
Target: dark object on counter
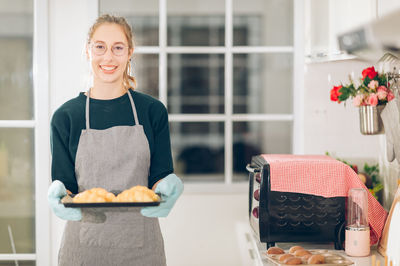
(242, 153)
(292, 217)
(366, 179)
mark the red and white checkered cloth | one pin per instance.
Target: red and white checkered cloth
(322, 176)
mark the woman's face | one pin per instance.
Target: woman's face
(109, 54)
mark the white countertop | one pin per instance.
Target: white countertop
(358, 261)
(253, 252)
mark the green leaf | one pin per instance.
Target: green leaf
(378, 187)
(372, 171)
(382, 79)
(345, 93)
(366, 81)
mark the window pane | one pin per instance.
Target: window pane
(262, 83)
(16, 85)
(196, 83)
(145, 70)
(142, 16)
(17, 209)
(194, 23)
(255, 22)
(198, 150)
(254, 138)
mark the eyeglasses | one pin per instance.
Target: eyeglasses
(100, 48)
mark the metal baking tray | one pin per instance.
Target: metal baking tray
(332, 258)
(67, 202)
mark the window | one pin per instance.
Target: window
(225, 72)
(17, 159)
(24, 148)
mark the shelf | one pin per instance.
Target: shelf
(328, 58)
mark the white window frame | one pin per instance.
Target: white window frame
(42, 130)
(229, 117)
(40, 124)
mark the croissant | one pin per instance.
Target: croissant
(137, 194)
(94, 195)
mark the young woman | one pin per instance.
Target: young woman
(115, 138)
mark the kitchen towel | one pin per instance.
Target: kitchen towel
(322, 176)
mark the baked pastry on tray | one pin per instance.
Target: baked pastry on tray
(134, 194)
(137, 194)
(94, 195)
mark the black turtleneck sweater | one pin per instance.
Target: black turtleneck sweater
(69, 120)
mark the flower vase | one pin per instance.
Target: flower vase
(370, 120)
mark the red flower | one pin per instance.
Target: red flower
(355, 168)
(335, 93)
(369, 72)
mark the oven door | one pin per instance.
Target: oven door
(256, 170)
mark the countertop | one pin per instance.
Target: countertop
(259, 258)
(358, 261)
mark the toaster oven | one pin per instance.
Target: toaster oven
(291, 217)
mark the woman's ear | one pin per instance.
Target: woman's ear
(87, 52)
(131, 52)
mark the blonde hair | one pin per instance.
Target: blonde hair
(106, 18)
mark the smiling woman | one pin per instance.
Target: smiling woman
(113, 138)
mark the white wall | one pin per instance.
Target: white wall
(387, 6)
(69, 24)
(329, 126)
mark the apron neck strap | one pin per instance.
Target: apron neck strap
(87, 109)
(130, 99)
(133, 108)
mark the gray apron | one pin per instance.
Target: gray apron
(116, 158)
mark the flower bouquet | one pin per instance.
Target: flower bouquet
(371, 95)
(373, 90)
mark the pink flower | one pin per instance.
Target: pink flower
(383, 88)
(373, 99)
(373, 84)
(382, 92)
(390, 96)
(357, 100)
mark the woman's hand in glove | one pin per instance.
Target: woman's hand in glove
(55, 193)
(170, 188)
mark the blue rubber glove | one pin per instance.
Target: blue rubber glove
(170, 188)
(55, 193)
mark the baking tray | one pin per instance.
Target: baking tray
(332, 258)
(67, 202)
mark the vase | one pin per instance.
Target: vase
(370, 120)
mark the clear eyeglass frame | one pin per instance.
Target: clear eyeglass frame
(100, 48)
